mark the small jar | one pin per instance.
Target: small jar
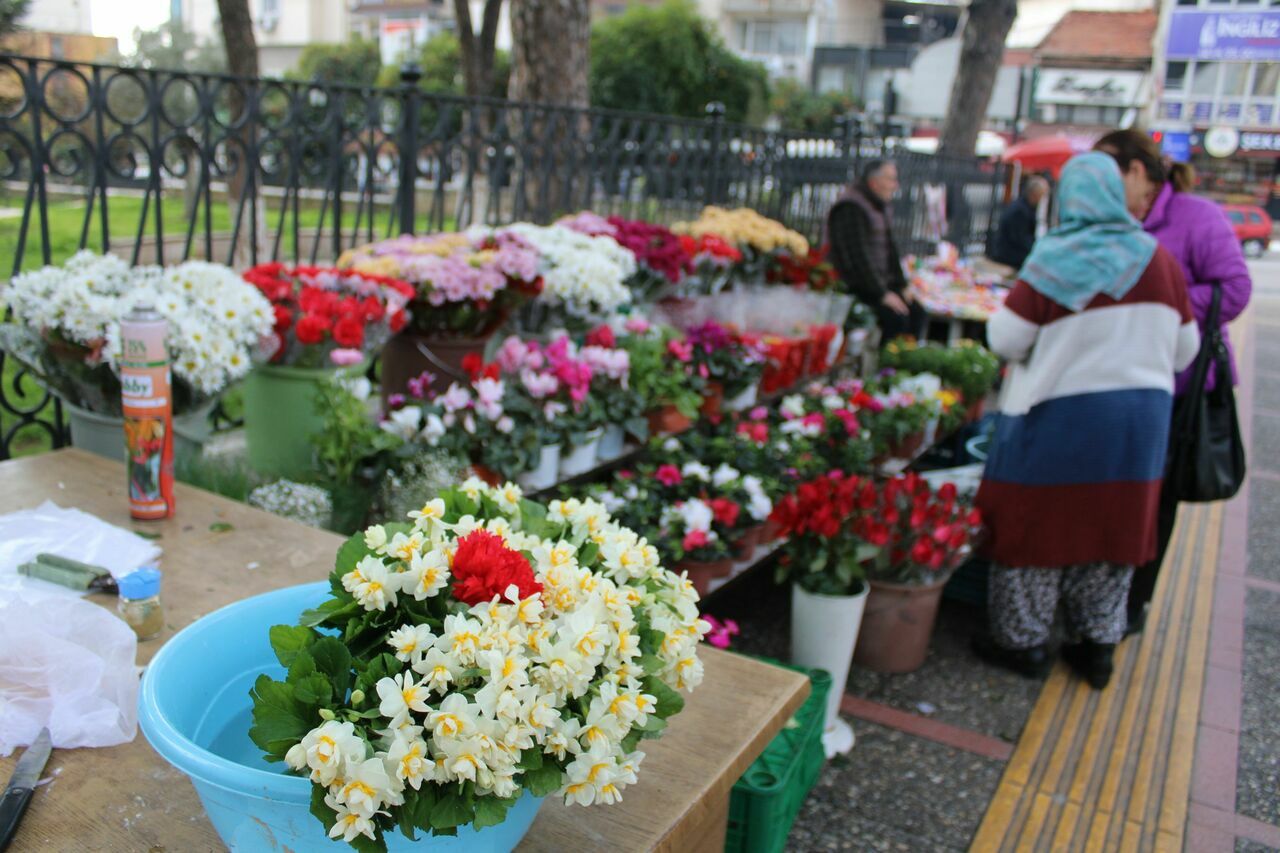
(140, 602)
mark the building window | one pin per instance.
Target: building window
(1266, 80)
(1205, 79)
(1234, 77)
(771, 38)
(1175, 76)
(175, 11)
(271, 8)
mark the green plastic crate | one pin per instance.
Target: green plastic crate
(766, 800)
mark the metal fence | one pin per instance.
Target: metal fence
(162, 166)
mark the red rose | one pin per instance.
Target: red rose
(947, 492)
(349, 332)
(311, 329)
(922, 551)
(484, 567)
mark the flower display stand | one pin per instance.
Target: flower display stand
(824, 630)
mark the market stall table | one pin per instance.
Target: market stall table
(128, 798)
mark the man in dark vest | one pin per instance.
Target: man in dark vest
(860, 230)
(1016, 233)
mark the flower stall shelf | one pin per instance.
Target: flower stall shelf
(824, 558)
(328, 323)
(467, 285)
(67, 335)
(258, 553)
(923, 535)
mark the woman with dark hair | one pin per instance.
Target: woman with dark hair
(1196, 232)
(860, 232)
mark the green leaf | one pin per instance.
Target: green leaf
(415, 814)
(288, 640)
(327, 816)
(632, 740)
(669, 701)
(544, 781)
(587, 554)
(145, 534)
(363, 844)
(653, 727)
(313, 690)
(351, 552)
(331, 611)
(491, 811)
(451, 809)
(279, 721)
(651, 640)
(652, 664)
(221, 527)
(530, 759)
(303, 665)
(333, 659)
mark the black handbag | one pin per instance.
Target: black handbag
(1206, 452)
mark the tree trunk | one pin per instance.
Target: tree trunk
(478, 49)
(242, 61)
(551, 41)
(982, 49)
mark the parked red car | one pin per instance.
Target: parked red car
(1252, 226)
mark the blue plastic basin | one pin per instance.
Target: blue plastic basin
(194, 708)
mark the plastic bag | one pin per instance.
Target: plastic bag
(50, 529)
(67, 664)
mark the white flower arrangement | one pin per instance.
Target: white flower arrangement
(492, 647)
(216, 319)
(583, 274)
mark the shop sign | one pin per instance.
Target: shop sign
(1221, 141)
(1176, 146)
(1250, 141)
(1104, 88)
(1241, 36)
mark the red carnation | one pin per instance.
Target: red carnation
(602, 337)
(397, 321)
(349, 332)
(484, 567)
(311, 329)
(284, 318)
(668, 475)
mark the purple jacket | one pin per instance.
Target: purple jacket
(1197, 233)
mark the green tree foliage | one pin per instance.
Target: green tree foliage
(357, 63)
(11, 14)
(440, 59)
(797, 108)
(669, 59)
(170, 46)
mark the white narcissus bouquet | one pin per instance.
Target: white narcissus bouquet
(492, 648)
(68, 326)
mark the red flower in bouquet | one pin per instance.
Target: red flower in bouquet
(349, 331)
(694, 539)
(484, 567)
(284, 318)
(602, 337)
(668, 475)
(312, 328)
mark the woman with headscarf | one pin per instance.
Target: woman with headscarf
(1095, 328)
(1196, 232)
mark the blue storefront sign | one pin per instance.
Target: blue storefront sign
(1231, 35)
(1176, 146)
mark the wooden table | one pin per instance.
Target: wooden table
(128, 798)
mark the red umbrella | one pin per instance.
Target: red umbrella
(1047, 154)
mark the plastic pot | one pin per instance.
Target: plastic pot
(824, 631)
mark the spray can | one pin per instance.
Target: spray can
(148, 412)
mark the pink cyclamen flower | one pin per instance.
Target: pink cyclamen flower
(636, 325)
(346, 357)
(421, 384)
(668, 475)
(682, 350)
(759, 413)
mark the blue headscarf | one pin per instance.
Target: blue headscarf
(1097, 246)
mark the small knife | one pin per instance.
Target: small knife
(23, 784)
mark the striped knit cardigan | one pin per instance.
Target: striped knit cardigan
(1074, 471)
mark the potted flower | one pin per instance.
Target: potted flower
(731, 365)
(923, 536)
(966, 366)
(687, 534)
(67, 334)
(824, 558)
(712, 260)
(414, 691)
(467, 285)
(811, 270)
(326, 321)
(898, 428)
(661, 260)
(662, 375)
(759, 238)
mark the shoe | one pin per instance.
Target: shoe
(1034, 662)
(1094, 662)
(1137, 621)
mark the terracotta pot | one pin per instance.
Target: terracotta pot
(490, 476)
(713, 401)
(745, 545)
(908, 448)
(973, 414)
(403, 359)
(701, 573)
(772, 530)
(669, 420)
(897, 626)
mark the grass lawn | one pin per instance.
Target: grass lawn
(67, 223)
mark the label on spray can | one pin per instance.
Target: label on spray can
(148, 413)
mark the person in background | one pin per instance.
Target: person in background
(1094, 329)
(1196, 232)
(860, 231)
(1016, 233)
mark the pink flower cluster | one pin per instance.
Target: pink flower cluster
(560, 369)
(446, 270)
(591, 224)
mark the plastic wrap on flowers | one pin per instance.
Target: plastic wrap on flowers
(490, 647)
